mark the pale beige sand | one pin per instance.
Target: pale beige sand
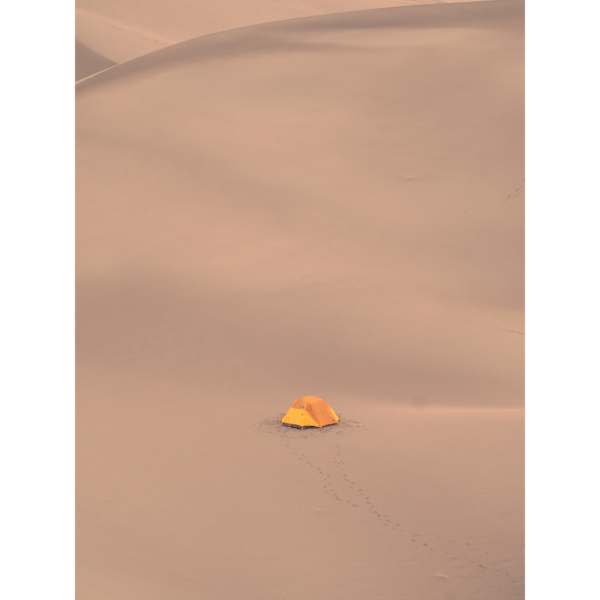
(121, 30)
(328, 206)
(191, 495)
(88, 62)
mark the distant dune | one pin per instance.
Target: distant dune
(328, 206)
(122, 30)
(88, 62)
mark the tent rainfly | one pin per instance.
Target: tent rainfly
(310, 411)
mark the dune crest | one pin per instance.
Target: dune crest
(88, 62)
(121, 31)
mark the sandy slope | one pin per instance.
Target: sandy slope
(121, 30)
(88, 62)
(328, 206)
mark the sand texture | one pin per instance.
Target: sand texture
(88, 62)
(121, 30)
(328, 206)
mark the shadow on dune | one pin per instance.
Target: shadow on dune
(153, 325)
(88, 62)
(278, 36)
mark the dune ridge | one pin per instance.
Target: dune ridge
(121, 31)
(88, 62)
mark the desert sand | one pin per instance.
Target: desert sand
(328, 206)
(88, 62)
(119, 31)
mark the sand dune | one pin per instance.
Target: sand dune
(88, 62)
(307, 184)
(117, 39)
(327, 206)
(121, 30)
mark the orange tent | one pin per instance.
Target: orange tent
(309, 411)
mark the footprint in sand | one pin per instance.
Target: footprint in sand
(385, 519)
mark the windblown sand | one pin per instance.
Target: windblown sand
(329, 206)
(119, 30)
